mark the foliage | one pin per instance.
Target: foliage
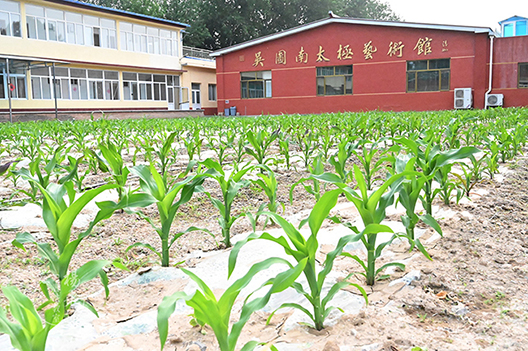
(217, 313)
(301, 250)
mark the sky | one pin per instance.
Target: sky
(479, 13)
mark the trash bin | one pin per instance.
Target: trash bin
(233, 111)
(226, 111)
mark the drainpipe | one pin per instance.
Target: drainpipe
(490, 72)
(54, 85)
(9, 92)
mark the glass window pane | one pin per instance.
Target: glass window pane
(145, 77)
(74, 83)
(31, 27)
(15, 21)
(35, 88)
(143, 91)
(256, 89)
(416, 65)
(107, 23)
(247, 75)
(140, 29)
(91, 20)
(156, 91)
(79, 34)
(135, 95)
(46, 88)
(70, 33)
(77, 73)
(334, 85)
(508, 30)
(348, 85)
(111, 75)
(61, 33)
(439, 64)
(95, 74)
(52, 30)
(343, 70)
(2, 89)
(427, 81)
(112, 39)
(129, 76)
(34, 10)
(320, 85)
(126, 90)
(159, 78)
(84, 89)
(5, 25)
(523, 75)
(88, 36)
(268, 88)
(125, 26)
(54, 14)
(96, 36)
(9, 6)
(115, 91)
(520, 28)
(163, 90)
(444, 83)
(108, 90)
(411, 81)
(65, 88)
(73, 17)
(41, 29)
(21, 87)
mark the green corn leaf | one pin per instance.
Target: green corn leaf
(146, 246)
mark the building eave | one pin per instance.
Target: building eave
(111, 11)
(347, 20)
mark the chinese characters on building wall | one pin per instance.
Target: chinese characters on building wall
(369, 51)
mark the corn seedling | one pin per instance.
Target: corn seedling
(59, 215)
(260, 142)
(368, 162)
(430, 160)
(154, 187)
(268, 183)
(316, 168)
(217, 313)
(372, 210)
(230, 185)
(301, 249)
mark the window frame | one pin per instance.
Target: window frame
(11, 22)
(428, 68)
(212, 94)
(267, 89)
(524, 84)
(321, 75)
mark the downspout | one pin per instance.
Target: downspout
(9, 92)
(490, 72)
(55, 90)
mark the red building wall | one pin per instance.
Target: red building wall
(508, 53)
(379, 82)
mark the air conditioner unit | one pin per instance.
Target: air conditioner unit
(463, 98)
(494, 100)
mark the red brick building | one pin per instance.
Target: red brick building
(344, 64)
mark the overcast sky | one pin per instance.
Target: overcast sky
(481, 13)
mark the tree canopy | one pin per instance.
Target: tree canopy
(220, 23)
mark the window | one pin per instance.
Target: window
(212, 92)
(428, 75)
(55, 25)
(148, 39)
(255, 84)
(10, 18)
(523, 75)
(334, 80)
(74, 84)
(15, 86)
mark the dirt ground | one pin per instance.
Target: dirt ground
(472, 296)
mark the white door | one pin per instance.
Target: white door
(170, 97)
(196, 103)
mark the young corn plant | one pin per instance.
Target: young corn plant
(260, 142)
(372, 210)
(230, 184)
(368, 162)
(447, 185)
(301, 249)
(429, 158)
(316, 168)
(59, 214)
(409, 193)
(155, 191)
(472, 174)
(217, 312)
(269, 185)
(27, 332)
(112, 162)
(339, 160)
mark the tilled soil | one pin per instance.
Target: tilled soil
(471, 296)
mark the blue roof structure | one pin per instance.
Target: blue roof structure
(119, 12)
(513, 18)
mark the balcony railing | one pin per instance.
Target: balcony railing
(198, 53)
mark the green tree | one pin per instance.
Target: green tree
(221, 23)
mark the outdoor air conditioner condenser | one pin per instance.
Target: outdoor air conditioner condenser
(463, 98)
(494, 100)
